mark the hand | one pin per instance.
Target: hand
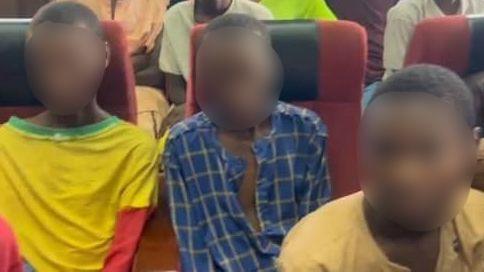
(175, 114)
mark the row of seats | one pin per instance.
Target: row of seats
(324, 65)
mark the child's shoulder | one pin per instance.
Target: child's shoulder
(133, 134)
(326, 231)
(345, 215)
(304, 118)
(191, 126)
(295, 111)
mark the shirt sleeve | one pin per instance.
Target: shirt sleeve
(157, 10)
(318, 9)
(138, 198)
(142, 189)
(168, 63)
(298, 248)
(317, 188)
(398, 33)
(9, 253)
(184, 218)
(129, 228)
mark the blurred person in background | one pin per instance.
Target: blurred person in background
(175, 54)
(143, 24)
(403, 17)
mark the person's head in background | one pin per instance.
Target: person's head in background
(66, 56)
(419, 147)
(238, 72)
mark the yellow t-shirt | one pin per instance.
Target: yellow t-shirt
(336, 238)
(61, 189)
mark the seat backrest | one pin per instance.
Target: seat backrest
(116, 94)
(324, 64)
(454, 42)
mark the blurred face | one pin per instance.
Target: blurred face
(65, 66)
(237, 78)
(417, 159)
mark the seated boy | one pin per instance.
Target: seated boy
(416, 212)
(9, 256)
(174, 58)
(245, 170)
(75, 182)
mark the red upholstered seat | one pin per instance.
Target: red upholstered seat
(340, 57)
(454, 42)
(117, 91)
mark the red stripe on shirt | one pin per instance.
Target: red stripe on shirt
(9, 255)
(129, 227)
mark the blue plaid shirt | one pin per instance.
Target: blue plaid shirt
(203, 177)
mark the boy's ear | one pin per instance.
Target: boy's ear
(108, 55)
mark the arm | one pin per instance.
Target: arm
(149, 74)
(397, 37)
(175, 88)
(147, 69)
(138, 198)
(128, 232)
(317, 188)
(9, 253)
(175, 83)
(184, 218)
(176, 94)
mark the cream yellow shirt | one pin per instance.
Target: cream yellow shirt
(336, 238)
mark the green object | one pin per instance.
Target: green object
(299, 9)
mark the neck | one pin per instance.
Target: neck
(91, 114)
(449, 7)
(209, 9)
(384, 228)
(259, 131)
